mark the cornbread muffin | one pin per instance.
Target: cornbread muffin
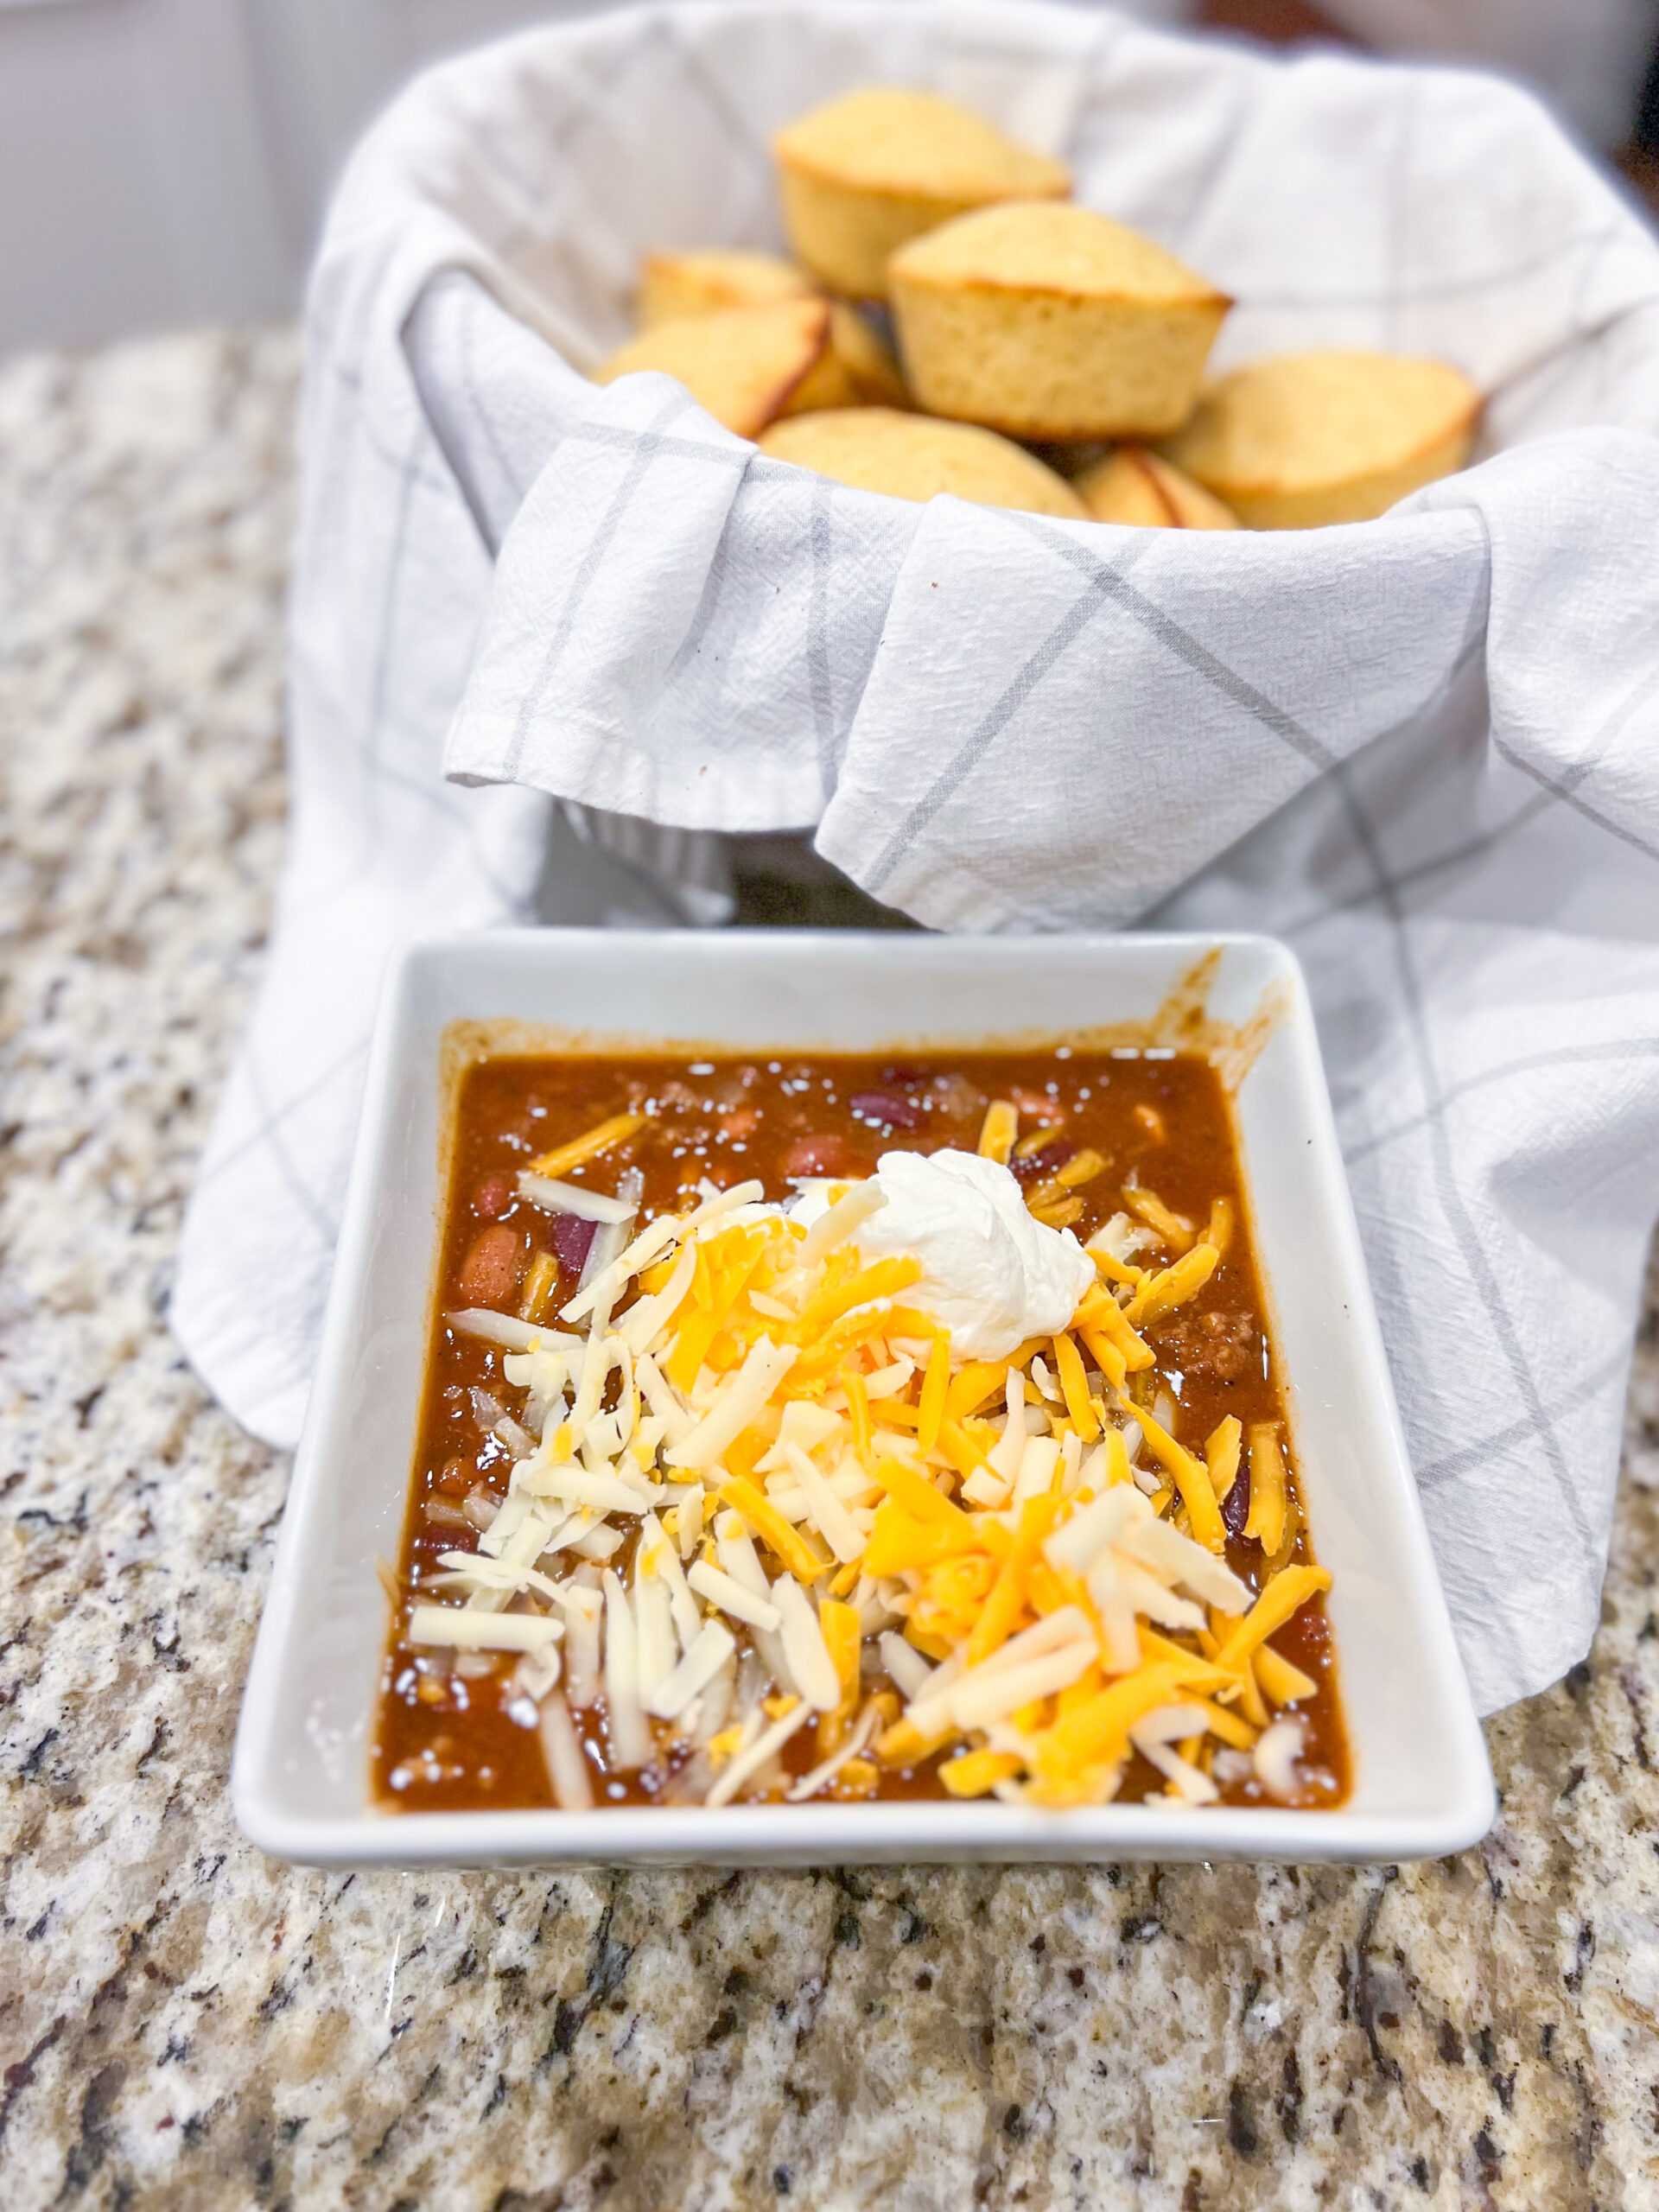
(1134, 486)
(1313, 438)
(744, 364)
(874, 449)
(1049, 321)
(854, 370)
(673, 284)
(869, 171)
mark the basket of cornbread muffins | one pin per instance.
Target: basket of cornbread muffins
(722, 408)
(951, 319)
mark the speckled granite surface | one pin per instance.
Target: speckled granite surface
(184, 2024)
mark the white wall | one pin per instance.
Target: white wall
(166, 162)
(134, 189)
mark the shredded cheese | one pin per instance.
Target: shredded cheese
(1034, 1561)
(764, 1749)
(804, 1648)
(726, 1592)
(630, 1745)
(554, 1197)
(1266, 1519)
(708, 1652)
(566, 1766)
(840, 1222)
(736, 1406)
(602, 1138)
(998, 1131)
(464, 1630)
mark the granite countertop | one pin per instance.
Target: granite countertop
(184, 2023)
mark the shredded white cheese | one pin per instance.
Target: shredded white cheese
(735, 1405)
(708, 1652)
(764, 1747)
(566, 1767)
(554, 1197)
(630, 1737)
(720, 1590)
(808, 1655)
(460, 1628)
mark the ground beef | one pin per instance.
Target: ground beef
(1226, 1346)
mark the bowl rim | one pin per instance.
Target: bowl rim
(900, 1830)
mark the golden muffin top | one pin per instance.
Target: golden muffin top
(1302, 421)
(886, 138)
(1039, 245)
(915, 457)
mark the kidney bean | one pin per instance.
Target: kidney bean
(492, 1197)
(570, 1238)
(890, 1107)
(1235, 1506)
(824, 1151)
(494, 1267)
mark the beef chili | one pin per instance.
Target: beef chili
(712, 1503)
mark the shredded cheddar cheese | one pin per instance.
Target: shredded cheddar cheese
(1029, 1555)
(602, 1138)
(1001, 1127)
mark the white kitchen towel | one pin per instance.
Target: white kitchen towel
(1426, 750)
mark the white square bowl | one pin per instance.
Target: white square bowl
(300, 1779)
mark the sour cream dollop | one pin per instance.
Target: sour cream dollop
(990, 1273)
